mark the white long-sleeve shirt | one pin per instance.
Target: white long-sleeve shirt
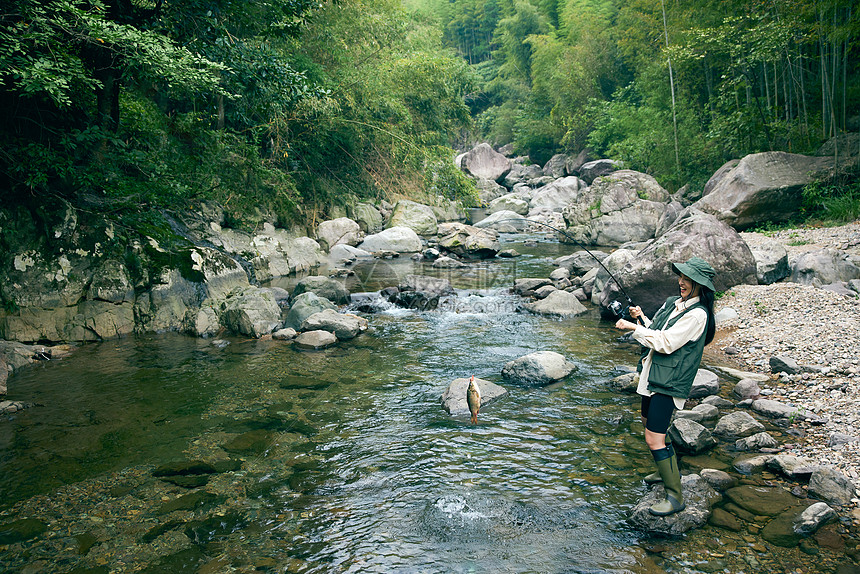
(668, 340)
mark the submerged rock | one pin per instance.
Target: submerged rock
(454, 398)
(699, 497)
(557, 303)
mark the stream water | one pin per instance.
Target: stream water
(349, 464)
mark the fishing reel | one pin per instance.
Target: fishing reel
(619, 311)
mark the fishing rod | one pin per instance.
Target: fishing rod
(612, 306)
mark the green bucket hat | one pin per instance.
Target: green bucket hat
(698, 270)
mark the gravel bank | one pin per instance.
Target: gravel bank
(818, 329)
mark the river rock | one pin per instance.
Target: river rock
(824, 267)
(718, 402)
(708, 412)
(737, 425)
(287, 334)
(340, 231)
(775, 409)
(305, 305)
(503, 222)
(454, 398)
(325, 287)
(648, 278)
(314, 340)
(591, 170)
(829, 484)
(510, 202)
(718, 479)
(689, 415)
(762, 187)
(616, 210)
(723, 315)
(368, 217)
(421, 292)
(556, 195)
(544, 291)
(341, 252)
(488, 190)
(273, 252)
(771, 262)
(783, 364)
(780, 530)
(626, 383)
(814, 517)
(527, 286)
(750, 465)
(416, 216)
(469, 241)
(559, 274)
(580, 262)
(252, 312)
(538, 368)
(689, 437)
(746, 389)
(838, 439)
(345, 326)
(757, 441)
(699, 497)
(394, 239)
(483, 162)
(556, 167)
(557, 303)
(521, 174)
(722, 519)
(761, 500)
(795, 467)
(705, 384)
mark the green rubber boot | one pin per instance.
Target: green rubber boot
(667, 466)
(654, 477)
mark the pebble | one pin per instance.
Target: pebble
(818, 329)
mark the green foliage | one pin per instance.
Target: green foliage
(836, 201)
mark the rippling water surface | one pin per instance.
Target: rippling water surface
(356, 467)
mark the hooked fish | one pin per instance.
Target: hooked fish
(473, 399)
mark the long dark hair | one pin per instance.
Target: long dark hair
(706, 298)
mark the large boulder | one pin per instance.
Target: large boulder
(339, 231)
(368, 218)
(396, 239)
(824, 267)
(648, 278)
(556, 167)
(771, 262)
(345, 326)
(252, 312)
(557, 195)
(488, 190)
(503, 222)
(454, 398)
(617, 209)
(763, 187)
(538, 368)
(558, 304)
(326, 287)
(591, 170)
(468, 240)
(303, 307)
(418, 217)
(510, 202)
(483, 162)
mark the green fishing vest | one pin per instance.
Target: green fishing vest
(673, 374)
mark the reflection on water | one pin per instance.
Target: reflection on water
(349, 464)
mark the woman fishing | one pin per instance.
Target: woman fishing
(674, 341)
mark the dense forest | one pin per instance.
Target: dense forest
(290, 107)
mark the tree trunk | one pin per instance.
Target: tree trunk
(672, 88)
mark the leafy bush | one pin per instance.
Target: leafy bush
(836, 201)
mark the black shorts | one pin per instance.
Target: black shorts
(657, 411)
